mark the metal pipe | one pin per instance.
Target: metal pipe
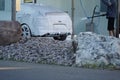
(13, 6)
(73, 9)
(117, 19)
(72, 36)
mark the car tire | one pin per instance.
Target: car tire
(26, 32)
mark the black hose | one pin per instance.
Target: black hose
(97, 16)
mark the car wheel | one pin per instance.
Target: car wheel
(26, 33)
(61, 38)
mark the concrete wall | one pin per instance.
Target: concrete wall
(6, 14)
(80, 13)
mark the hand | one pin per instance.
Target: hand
(109, 3)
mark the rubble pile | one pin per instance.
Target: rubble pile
(97, 50)
(39, 50)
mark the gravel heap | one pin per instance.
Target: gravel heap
(97, 50)
(39, 50)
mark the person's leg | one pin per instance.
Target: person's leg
(111, 26)
(111, 33)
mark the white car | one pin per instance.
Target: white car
(44, 21)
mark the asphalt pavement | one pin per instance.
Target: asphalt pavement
(11, 70)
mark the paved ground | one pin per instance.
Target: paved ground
(10, 70)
